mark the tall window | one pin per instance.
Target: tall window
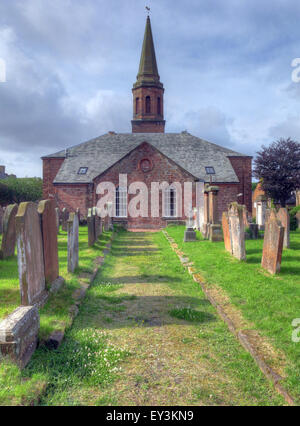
(158, 107)
(121, 202)
(170, 202)
(137, 105)
(148, 105)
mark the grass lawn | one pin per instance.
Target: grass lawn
(269, 303)
(53, 316)
(146, 335)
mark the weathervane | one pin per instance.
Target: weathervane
(148, 10)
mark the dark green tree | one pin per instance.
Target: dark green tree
(279, 168)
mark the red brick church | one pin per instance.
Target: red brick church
(147, 155)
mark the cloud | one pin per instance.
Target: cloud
(226, 68)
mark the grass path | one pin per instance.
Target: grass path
(180, 353)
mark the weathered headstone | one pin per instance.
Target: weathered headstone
(110, 215)
(19, 335)
(284, 217)
(48, 218)
(245, 217)
(73, 244)
(298, 197)
(30, 255)
(215, 229)
(253, 231)
(205, 225)
(273, 244)
(98, 224)
(91, 228)
(57, 218)
(261, 206)
(226, 232)
(64, 219)
(237, 230)
(9, 231)
(189, 233)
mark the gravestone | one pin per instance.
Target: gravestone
(237, 230)
(226, 232)
(9, 231)
(48, 218)
(298, 197)
(245, 217)
(273, 244)
(19, 335)
(110, 215)
(261, 207)
(253, 231)
(64, 219)
(215, 229)
(98, 224)
(189, 233)
(284, 217)
(1, 219)
(91, 228)
(57, 218)
(30, 255)
(205, 225)
(73, 244)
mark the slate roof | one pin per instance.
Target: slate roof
(190, 152)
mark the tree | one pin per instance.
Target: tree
(24, 189)
(278, 166)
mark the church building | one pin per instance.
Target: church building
(147, 155)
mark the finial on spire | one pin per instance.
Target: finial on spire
(148, 10)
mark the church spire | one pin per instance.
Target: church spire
(148, 72)
(148, 90)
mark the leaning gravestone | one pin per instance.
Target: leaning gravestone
(284, 217)
(9, 231)
(273, 244)
(91, 228)
(48, 218)
(57, 218)
(65, 216)
(98, 224)
(30, 256)
(226, 232)
(19, 335)
(237, 230)
(73, 230)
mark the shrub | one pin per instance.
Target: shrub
(23, 189)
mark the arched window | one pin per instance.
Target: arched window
(137, 100)
(170, 202)
(121, 202)
(148, 105)
(158, 107)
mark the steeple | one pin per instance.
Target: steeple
(148, 90)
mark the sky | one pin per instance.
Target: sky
(70, 66)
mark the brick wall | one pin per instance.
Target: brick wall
(51, 167)
(74, 196)
(83, 196)
(163, 170)
(243, 169)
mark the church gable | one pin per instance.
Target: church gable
(146, 164)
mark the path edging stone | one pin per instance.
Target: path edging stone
(270, 374)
